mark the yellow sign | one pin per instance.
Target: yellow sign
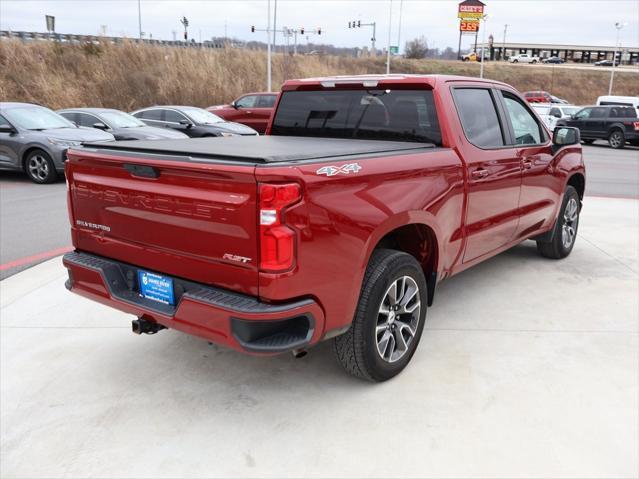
(470, 15)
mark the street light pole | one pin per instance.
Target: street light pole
(399, 29)
(503, 53)
(268, 47)
(618, 26)
(390, 19)
(483, 41)
(140, 19)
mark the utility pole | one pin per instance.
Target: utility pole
(483, 41)
(399, 29)
(140, 19)
(390, 24)
(184, 21)
(226, 34)
(503, 53)
(618, 26)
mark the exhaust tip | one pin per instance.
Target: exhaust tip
(299, 353)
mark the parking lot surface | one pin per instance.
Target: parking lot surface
(34, 221)
(528, 367)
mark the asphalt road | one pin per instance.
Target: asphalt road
(34, 222)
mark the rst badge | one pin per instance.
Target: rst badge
(339, 170)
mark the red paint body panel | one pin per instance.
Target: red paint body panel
(183, 222)
(255, 117)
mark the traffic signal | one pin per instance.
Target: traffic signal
(319, 30)
(185, 37)
(302, 30)
(349, 24)
(252, 28)
(359, 23)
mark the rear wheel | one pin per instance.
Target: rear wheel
(39, 167)
(389, 319)
(616, 139)
(565, 231)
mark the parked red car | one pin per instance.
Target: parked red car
(538, 97)
(252, 109)
(339, 224)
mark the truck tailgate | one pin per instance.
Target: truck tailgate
(185, 219)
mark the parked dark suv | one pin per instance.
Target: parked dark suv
(617, 124)
(192, 121)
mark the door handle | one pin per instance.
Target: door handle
(527, 163)
(478, 174)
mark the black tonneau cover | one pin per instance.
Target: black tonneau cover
(259, 149)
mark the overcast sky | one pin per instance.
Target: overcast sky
(538, 21)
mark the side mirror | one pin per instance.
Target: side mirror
(186, 123)
(234, 105)
(565, 136)
(100, 126)
(7, 129)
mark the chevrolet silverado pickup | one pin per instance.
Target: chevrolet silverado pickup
(339, 223)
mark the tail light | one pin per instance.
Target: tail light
(277, 241)
(636, 125)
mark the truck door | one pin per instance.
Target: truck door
(532, 147)
(493, 172)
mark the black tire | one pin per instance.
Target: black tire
(557, 248)
(39, 167)
(357, 350)
(588, 142)
(616, 139)
(515, 61)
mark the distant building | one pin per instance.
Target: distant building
(570, 53)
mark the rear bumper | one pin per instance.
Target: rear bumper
(239, 321)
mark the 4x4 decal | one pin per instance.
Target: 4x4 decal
(339, 170)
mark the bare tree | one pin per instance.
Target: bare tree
(416, 48)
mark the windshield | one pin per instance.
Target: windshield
(119, 119)
(202, 117)
(398, 115)
(36, 118)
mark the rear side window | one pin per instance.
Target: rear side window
(478, 116)
(266, 101)
(70, 116)
(150, 115)
(623, 112)
(398, 115)
(599, 113)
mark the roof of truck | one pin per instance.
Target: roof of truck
(259, 149)
(401, 78)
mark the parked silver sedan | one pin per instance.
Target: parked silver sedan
(34, 139)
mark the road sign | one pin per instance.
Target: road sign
(469, 26)
(394, 50)
(50, 23)
(470, 9)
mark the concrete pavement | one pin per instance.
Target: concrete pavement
(527, 368)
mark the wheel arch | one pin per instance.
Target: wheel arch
(418, 239)
(28, 150)
(578, 182)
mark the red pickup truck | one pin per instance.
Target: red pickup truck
(338, 224)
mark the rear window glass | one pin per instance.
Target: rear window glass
(397, 115)
(623, 112)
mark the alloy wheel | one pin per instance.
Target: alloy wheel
(569, 228)
(38, 167)
(397, 319)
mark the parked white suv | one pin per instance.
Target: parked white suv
(523, 58)
(550, 113)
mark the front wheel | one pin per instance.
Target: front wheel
(616, 139)
(389, 319)
(565, 230)
(39, 167)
